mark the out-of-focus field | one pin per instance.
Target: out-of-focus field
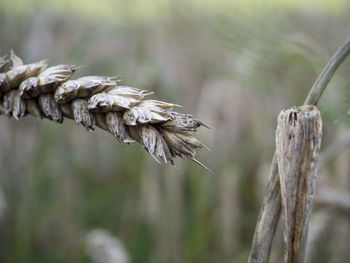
(234, 65)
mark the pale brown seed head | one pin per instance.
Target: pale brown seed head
(96, 100)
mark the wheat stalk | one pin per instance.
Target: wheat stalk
(48, 92)
(271, 205)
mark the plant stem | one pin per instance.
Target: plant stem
(268, 218)
(298, 143)
(327, 73)
(262, 241)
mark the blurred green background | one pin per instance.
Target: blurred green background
(233, 64)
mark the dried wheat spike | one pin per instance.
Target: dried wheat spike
(91, 101)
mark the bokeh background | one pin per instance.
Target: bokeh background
(67, 195)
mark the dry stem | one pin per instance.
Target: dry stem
(298, 141)
(260, 251)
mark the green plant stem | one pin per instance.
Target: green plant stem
(327, 73)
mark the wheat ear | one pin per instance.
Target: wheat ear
(48, 92)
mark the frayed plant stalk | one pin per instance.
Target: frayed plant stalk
(271, 205)
(268, 218)
(291, 184)
(49, 92)
(298, 142)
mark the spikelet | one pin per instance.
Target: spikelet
(149, 111)
(98, 101)
(20, 72)
(50, 108)
(116, 99)
(83, 87)
(47, 81)
(19, 106)
(82, 115)
(129, 92)
(183, 123)
(155, 144)
(114, 123)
